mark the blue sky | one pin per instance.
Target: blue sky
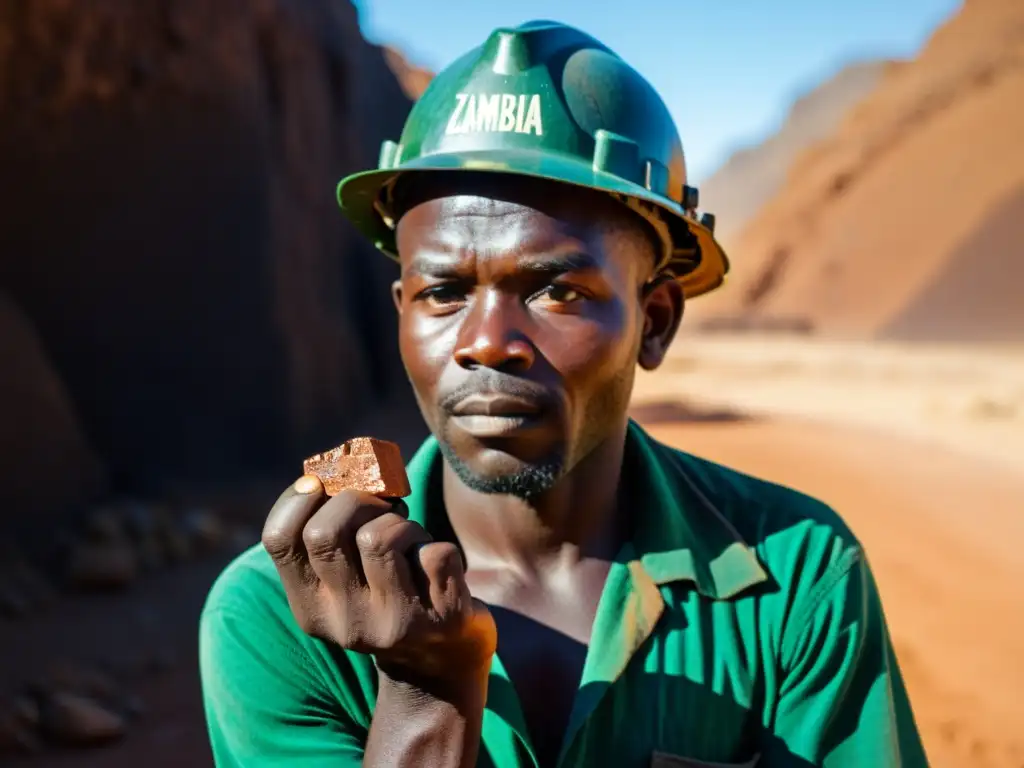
(728, 69)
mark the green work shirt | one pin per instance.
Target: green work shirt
(740, 626)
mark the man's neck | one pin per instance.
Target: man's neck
(575, 520)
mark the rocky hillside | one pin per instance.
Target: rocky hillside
(753, 175)
(180, 299)
(413, 79)
(906, 221)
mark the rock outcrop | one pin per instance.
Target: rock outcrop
(413, 78)
(170, 230)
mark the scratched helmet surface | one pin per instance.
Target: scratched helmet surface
(549, 101)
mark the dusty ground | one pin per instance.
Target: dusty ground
(921, 452)
(969, 399)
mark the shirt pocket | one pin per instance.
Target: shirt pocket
(665, 760)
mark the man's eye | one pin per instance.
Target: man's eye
(442, 295)
(560, 294)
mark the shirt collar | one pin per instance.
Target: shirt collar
(679, 533)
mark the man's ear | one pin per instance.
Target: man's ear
(662, 302)
(396, 295)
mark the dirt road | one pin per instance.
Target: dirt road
(970, 399)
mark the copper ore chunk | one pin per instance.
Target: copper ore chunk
(361, 464)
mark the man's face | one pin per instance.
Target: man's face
(522, 317)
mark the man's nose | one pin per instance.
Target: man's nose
(492, 335)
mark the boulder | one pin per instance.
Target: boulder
(48, 463)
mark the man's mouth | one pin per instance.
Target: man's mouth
(496, 405)
(495, 415)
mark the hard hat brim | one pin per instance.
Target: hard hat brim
(359, 193)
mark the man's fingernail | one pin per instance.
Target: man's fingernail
(307, 484)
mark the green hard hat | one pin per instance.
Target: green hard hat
(549, 101)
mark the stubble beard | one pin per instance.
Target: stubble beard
(535, 478)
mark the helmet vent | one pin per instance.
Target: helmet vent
(616, 155)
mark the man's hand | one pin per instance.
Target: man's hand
(359, 574)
